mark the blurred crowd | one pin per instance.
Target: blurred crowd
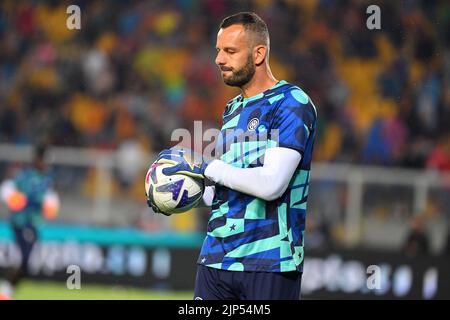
(139, 69)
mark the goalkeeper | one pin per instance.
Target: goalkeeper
(254, 247)
(29, 197)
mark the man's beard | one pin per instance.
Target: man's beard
(242, 76)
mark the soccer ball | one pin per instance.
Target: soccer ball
(172, 194)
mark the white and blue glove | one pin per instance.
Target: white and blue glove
(183, 161)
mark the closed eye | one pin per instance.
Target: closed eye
(227, 50)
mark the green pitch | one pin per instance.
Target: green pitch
(37, 290)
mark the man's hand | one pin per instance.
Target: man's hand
(183, 162)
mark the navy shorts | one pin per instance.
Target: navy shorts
(217, 284)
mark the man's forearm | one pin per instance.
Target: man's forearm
(267, 182)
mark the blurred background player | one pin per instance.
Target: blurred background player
(29, 198)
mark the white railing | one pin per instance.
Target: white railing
(354, 177)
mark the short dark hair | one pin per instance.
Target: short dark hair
(251, 22)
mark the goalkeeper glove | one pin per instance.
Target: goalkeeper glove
(183, 162)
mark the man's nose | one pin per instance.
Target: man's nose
(220, 59)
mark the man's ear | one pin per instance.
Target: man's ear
(259, 54)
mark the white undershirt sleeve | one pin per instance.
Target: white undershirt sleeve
(268, 182)
(208, 197)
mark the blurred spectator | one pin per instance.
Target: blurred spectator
(417, 242)
(439, 158)
(377, 149)
(428, 102)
